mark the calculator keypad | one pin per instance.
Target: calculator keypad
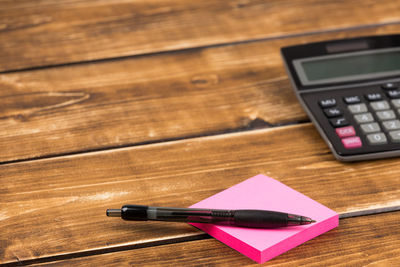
(377, 139)
(395, 136)
(382, 109)
(386, 115)
(352, 142)
(391, 125)
(373, 96)
(352, 99)
(345, 131)
(358, 108)
(370, 127)
(338, 122)
(363, 118)
(360, 120)
(396, 103)
(390, 86)
(332, 112)
(380, 105)
(393, 94)
(327, 103)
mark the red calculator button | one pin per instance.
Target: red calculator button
(352, 142)
(345, 131)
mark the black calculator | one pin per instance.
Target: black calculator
(350, 89)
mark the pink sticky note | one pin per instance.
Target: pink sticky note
(262, 192)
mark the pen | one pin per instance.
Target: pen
(240, 218)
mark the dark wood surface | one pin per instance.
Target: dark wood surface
(361, 241)
(57, 32)
(205, 91)
(63, 200)
(167, 103)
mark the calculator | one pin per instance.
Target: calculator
(350, 89)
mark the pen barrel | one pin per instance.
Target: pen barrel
(260, 219)
(241, 218)
(144, 213)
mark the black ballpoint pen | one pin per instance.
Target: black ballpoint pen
(240, 218)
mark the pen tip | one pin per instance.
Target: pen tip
(113, 213)
(307, 220)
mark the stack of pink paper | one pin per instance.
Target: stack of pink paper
(262, 192)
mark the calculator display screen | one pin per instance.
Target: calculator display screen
(348, 66)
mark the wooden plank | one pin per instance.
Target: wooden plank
(57, 206)
(56, 32)
(360, 241)
(147, 99)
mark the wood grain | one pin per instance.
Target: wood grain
(57, 206)
(56, 32)
(370, 240)
(149, 99)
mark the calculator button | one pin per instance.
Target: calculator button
(338, 122)
(395, 136)
(345, 131)
(393, 94)
(380, 105)
(363, 118)
(377, 139)
(390, 86)
(332, 112)
(352, 99)
(373, 96)
(327, 103)
(391, 125)
(370, 127)
(358, 108)
(352, 142)
(396, 103)
(386, 115)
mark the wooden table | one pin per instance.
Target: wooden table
(167, 103)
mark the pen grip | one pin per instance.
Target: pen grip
(134, 212)
(260, 218)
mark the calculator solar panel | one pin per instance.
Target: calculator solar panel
(351, 91)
